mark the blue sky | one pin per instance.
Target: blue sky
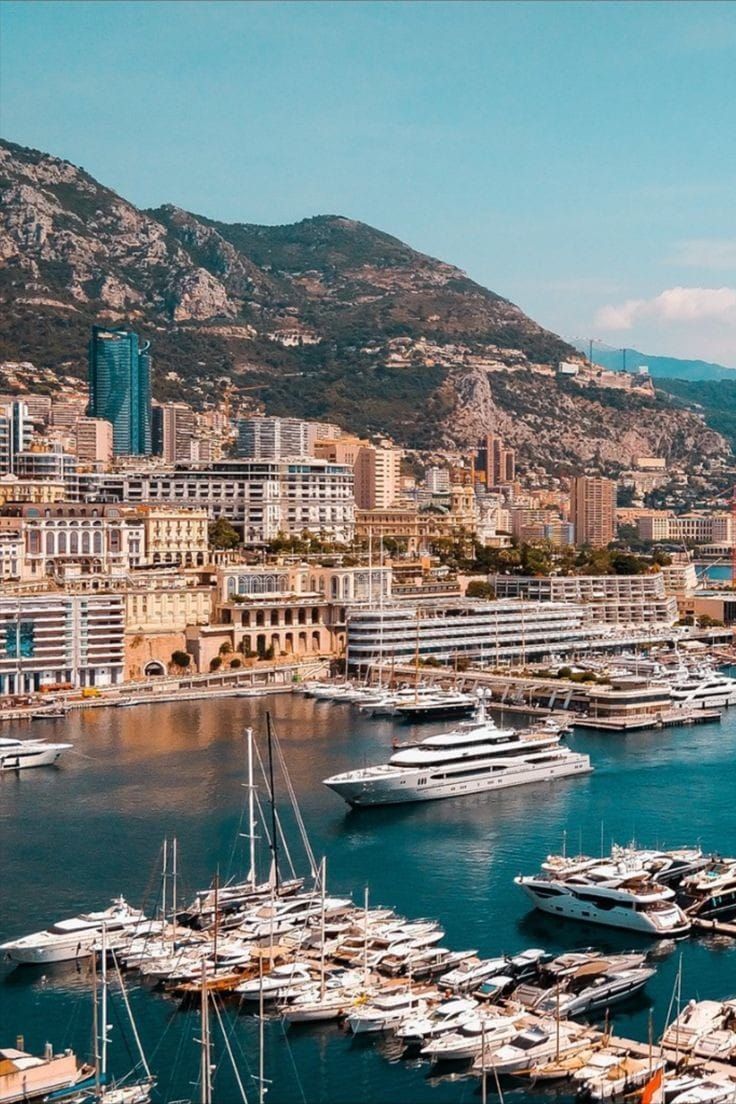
(579, 158)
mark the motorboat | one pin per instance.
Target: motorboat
(18, 755)
(610, 894)
(710, 894)
(471, 974)
(437, 706)
(488, 1028)
(386, 1011)
(445, 1017)
(590, 990)
(472, 758)
(535, 1043)
(621, 1078)
(702, 688)
(78, 937)
(271, 986)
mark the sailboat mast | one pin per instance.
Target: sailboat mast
(365, 939)
(261, 1031)
(174, 875)
(103, 1006)
(323, 877)
(251, 812)
(206, 1070)
(95, 1020)
(274, 827)
(164, 866)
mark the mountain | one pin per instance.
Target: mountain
(659, 366)
(327, 318)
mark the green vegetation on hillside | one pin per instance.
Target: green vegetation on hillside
(714, 399)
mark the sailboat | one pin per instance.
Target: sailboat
(98, 1090)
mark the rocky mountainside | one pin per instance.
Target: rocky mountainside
(327, 318)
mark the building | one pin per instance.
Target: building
(99, 539)
(613, 599)
(57, 465)
(175, 535)
(680, 577)
(593, 510)
(279, 438)
(13, 489)
(437, 481)
(11, 555)
(377, 477)
(693, 528)
(120, 388)
(495, 463)
(174, 431)
(16, 431)
(264, 499)
(486, 632)
(55, 639)
(94, 440)
(158, 612)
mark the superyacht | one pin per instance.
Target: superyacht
(474, 757)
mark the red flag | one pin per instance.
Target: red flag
(651, 1093)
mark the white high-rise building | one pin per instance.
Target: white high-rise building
(16, 431)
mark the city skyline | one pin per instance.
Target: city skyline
(539, 147)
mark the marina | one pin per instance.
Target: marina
(196, 749)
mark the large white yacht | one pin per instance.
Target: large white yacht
(603, 894)
(20, 754)
(474, 757)
(77, 937)
(702, 688)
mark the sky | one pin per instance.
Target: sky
(578, 158)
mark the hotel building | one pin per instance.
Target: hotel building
(60, 640)
(614, 599)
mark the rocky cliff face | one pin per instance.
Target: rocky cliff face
(327, 318)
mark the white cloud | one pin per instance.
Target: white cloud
(677, 305)
(713, 253)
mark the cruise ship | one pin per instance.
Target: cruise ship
(474, 757)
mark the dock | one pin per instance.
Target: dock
(675, 718)
(716, 927)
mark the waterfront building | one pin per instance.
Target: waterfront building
(499, 632)
(54, 639)
(268, 438)
(613, 599)
(158, 611)
(264, 499)
(593, 510)
(174, 427)
(120, 388)
(16, 432)
(695, 528)
(680, 577)
(93, 440)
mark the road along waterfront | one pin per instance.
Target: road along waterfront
(72, 838)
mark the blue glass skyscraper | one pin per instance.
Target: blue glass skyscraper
(120, 388)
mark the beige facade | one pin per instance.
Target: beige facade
(31, 490)
(175, 535)
(166, 608)
(593, 510)
(377, 477)
(93, 438)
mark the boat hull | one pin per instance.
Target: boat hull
(384, 792)
(566, 905)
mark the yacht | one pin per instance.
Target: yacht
(20, 754)
(436, 706)
(602, 895)
(702, 689)
(472, 758)
(589, 989)
(77, 937)
(710, 894)
(386, 1011)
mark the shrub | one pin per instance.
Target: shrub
(181, 659)
(236, 662)
(215, 663)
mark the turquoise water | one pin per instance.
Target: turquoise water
(72, 838)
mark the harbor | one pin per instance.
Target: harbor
(159, 769)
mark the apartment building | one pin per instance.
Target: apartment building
(16, 432)
(270, 438)
(612, 599)
(174, 535)
(55, 639)
(262, 498)
(593, 510)
(93, 440)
